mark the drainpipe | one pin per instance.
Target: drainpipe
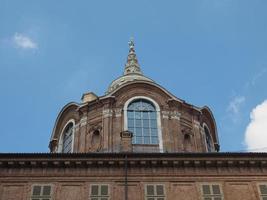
(126, 178)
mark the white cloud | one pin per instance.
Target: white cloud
(24, 42)
(256, 131)
(235, 105)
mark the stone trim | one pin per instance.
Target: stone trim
(118, 112)
(171, 115)
(135, 160)
(107, 113)
(83, 121)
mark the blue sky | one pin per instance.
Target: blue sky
(206, 52)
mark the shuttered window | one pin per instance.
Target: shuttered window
(155, 192)
(211, 192)
(263, 191)
(41, 192)
(99, 192)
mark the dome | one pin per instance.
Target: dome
(125, 79)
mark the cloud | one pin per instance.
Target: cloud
(24, 42)
(256, 131)
(235, 105)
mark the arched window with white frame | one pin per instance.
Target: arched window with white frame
(142, 118)
(67, 138)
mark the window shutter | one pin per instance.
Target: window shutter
(41, 192)
(150, 190)
(160, 190)
(47, 190)
(99, 192)
(206, 190)
(216, 189)
(94, 190)
(211, 192)
(104, 190)
(263, 189)
(155, 192)
(36, 190)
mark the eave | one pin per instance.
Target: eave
(85, 160)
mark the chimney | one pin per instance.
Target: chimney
(126, 141)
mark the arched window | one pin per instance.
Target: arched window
(68, 138)
(208, 139)
(142, 121)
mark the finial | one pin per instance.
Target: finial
(131, 43)
(132, 66)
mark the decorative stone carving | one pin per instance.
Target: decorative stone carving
(171, 115)
(95, 138)
(53, 145)
(118, 112)
(187, 139)
(83, 121)
(196, 123)
(107, 113)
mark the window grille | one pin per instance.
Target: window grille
(211, 192)
(99, 192)
(67, 138)
(142, 122)
(155, 192)
(41, 192)
(208, 139)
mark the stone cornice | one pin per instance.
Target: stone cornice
(84, 160)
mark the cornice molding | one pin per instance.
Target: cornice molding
(183, 160)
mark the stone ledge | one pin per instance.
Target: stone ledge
(215, 160)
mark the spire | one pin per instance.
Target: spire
(132, 65)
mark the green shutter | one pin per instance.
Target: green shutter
(104, 190)
(263, 189)
(160, 190)
(150, 190)
(94, 190)
(36, 190)
(206, 190)
(46, 190)
(216, 189)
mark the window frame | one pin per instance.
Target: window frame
(158, 115)
(144, 122)
(61, 139)
(212, 196)
(41, 197)
(98, 197)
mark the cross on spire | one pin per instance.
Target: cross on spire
(132, 65)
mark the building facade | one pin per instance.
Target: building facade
(136, 142)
